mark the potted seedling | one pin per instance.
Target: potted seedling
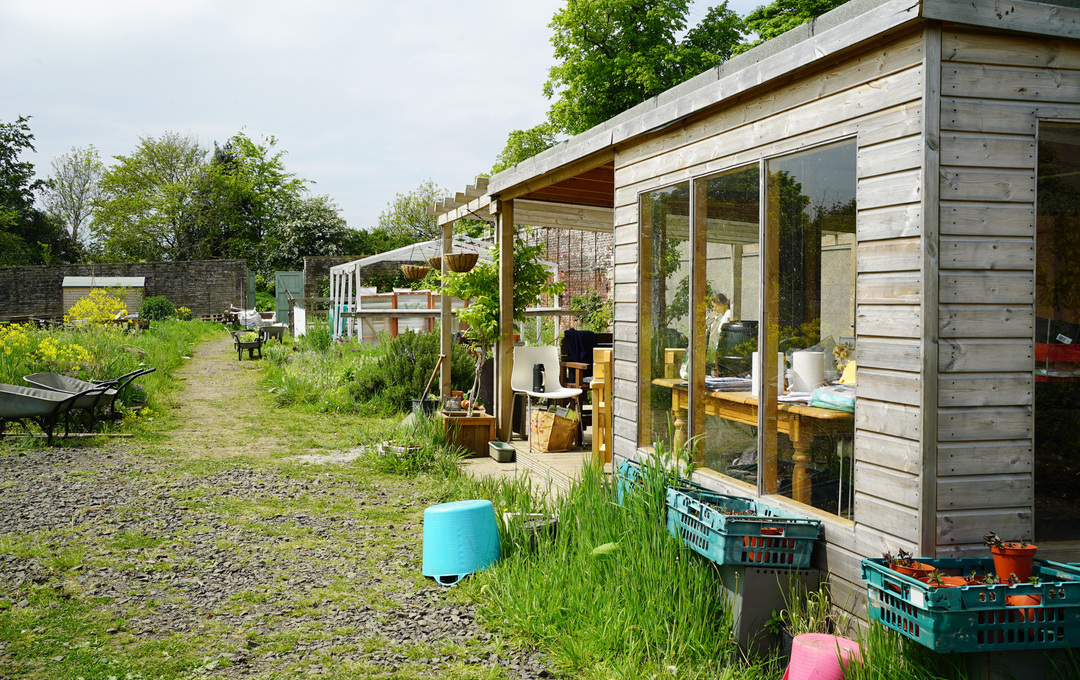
(935, 579)
(1011, 557)
(906, 564)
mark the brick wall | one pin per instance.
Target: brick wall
(203, 286)
(585, 260)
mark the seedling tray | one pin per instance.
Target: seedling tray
(758, 535)
(977, 618)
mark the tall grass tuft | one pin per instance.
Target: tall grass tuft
(417, 447)
(611, 588)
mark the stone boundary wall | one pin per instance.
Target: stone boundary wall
(203, 286)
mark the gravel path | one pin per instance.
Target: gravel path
(275, 572)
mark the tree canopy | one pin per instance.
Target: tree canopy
(614, 54)
(73, 191)
(27, 235)
(611, 55)
(406, 216)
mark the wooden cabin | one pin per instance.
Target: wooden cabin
(895, 178)
(131, 288)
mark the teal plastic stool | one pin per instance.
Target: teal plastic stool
(459, 538)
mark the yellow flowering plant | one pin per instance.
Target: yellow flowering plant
(99, 307)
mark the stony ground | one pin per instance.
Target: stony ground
(262, 570)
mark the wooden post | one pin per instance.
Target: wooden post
(504, 353)
(446, 330)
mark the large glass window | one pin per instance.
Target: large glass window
(810, 301)
(729, 219)
(1057, 334)
(665, 313)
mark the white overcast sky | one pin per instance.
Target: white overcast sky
(368, 99)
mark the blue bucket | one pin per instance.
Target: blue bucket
(459, 538)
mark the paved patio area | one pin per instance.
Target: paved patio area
(549, 472)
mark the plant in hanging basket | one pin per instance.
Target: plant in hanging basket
(414, 272)
(435, 263)
(461, 262)
(1011, 558)
(906, 565)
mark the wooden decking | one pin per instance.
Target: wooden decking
(550, 473)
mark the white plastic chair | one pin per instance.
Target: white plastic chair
(521, 379)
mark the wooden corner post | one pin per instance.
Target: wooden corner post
(446, 325)
(504, 353)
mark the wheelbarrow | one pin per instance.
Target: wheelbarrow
(44, 407)
(88, 402)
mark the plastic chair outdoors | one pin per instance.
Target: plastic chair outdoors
(521, 379)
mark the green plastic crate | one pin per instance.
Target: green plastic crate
(765, 536)
(977, 618)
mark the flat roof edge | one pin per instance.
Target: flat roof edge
(846, 26)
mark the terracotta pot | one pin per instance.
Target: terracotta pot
(915, 572)
(946, 581)
(1014, 558)
(1024, 601)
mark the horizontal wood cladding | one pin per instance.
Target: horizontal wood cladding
(876, 66)
(898, 420)
(980, 219)
(980, 150)
(985, 355)
(898, 188)
(1013, 51)
(897, 221)
(982, 81)
(888, 288)
(897, 487)
(899, 520)
(898, 354)
(884, 385)
(736, 143)
(969, 526)
(983, 253)
(986, 184)
(965, 493)
(985, 389)
(976, 424)
(1000, 288)
(892, 321)
(889, 255)
(890, 156)
(984, 457)
(894, 453)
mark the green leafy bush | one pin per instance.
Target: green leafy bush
(156, 308)
(402, 367)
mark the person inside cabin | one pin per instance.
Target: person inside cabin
(716, 317)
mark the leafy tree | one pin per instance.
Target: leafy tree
(147, 198)
(27, 235)
(74, 190)
(406, 216)
(480, 286)
(524, 144)
(769, 21)
(240, 199)
(310, 227)
(614, 54)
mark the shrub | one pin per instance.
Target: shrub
(402, 367)
(158, 307)
(100, 306)
(183, 313)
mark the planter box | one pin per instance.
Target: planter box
(472, 433)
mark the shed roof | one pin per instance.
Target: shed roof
(579, 172)
(104, 281)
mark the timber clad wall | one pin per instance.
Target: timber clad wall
(994, 89)
(203, 286)
(875, 97)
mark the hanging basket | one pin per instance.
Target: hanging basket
(414, 271)
(461, 262)
(435, 262)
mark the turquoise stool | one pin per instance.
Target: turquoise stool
(459, 538)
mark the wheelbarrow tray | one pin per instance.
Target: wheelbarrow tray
(18, 402)
(63, 383)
